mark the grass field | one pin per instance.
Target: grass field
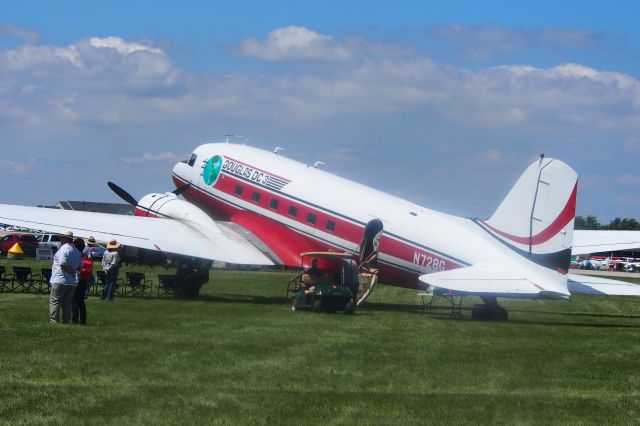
(239, 356)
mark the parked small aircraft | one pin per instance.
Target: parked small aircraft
(277, 208)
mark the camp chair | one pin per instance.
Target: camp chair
(137, 284)
(22, 279)
(98, 286)
(166, 285)
(101, 280)
(45, 277)
(4, 279)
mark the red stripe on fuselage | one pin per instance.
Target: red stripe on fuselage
(566, 215)
(278, 235)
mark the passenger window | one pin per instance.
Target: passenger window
(238, 190)
(293, 211)
(255, 197)
(192, 160)
(274, 204)
(331, 225)
(311, 218)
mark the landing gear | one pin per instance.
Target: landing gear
(489, 310)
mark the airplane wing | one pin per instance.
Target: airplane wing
(601, 286)
(167, 235)
(487, 279)
(587, 242)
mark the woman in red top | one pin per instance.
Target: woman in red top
(79, 307)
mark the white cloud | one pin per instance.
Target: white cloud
(632, 145)
(486, 42)
(25, 34)
(114, 82)
(294, 43)
(121, 46)
(43, 58)
(21, 168)
(630, 180)
(146, 158)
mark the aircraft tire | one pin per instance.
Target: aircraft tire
(294, 305)
(349, 308)
(317, 305)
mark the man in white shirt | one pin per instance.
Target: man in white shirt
(66, 263)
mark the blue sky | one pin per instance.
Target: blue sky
(442, 103)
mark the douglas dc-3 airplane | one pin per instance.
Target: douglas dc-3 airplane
(285, 208)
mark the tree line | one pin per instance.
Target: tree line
(617, 224)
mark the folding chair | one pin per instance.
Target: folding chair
(166, 285)
(101, 280)
(45, 277)
(98, 286)
(138, 284)
(4, 279)
(22, 279)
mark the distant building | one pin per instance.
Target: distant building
(91, 206)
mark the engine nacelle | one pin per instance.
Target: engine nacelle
(168, 205)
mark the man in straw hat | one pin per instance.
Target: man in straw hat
(110, 266)
(66, 263)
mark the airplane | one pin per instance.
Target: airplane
(245, 205)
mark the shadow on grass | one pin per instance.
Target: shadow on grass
(391, 307)
(579, 314)
(443, 313)
(574, 324)
(242, 298)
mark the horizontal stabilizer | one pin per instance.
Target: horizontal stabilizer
(490, 279)
(587, 242)
(603, 286)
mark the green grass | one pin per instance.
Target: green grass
(239, 356)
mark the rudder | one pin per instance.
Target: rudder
(536, 218)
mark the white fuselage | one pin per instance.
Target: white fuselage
(259, 189)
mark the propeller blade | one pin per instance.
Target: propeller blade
(181, 189)
(122, 194)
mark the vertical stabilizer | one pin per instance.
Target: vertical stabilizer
(536, 217)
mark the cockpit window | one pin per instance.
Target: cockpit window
(192, 160)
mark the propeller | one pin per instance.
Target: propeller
(181, 189)
(124, 194)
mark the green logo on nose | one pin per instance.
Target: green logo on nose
(212, 170)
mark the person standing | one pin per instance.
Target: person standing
(89, 243)
(111, 267)
(66, 263)
(85, 274)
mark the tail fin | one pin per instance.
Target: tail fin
(536, 218)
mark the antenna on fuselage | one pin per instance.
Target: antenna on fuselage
(227, 137)
(317, 163)
(277, 149)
